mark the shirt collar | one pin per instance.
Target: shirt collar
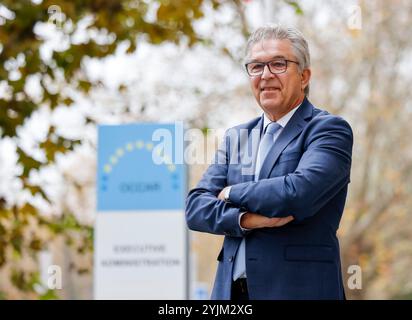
(282, 121)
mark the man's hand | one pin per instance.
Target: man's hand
(221, 195)
(253, 221)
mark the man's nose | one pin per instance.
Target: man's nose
(266, 73)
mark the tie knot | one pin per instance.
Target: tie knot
(272, 127)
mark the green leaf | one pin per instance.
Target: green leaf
(296, 6)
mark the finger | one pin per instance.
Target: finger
(289, 219)
(284, 221)
(221, 195)
(273, 222)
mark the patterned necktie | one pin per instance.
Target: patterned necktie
(265, 145)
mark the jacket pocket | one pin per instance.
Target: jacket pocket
(321, 253)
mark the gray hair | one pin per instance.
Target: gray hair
(274, 31)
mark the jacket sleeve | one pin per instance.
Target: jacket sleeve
(322, 172)
(204, 211)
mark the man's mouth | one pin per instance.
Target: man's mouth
(269, 89)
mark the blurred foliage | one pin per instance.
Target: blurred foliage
(23, 231)
(119, 20)
(354, 78)
(296, 6)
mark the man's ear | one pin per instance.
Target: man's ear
(306, 74)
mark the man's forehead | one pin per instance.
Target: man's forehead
(271, 48)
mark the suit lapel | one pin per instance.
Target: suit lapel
(248, 161)
(292, 129)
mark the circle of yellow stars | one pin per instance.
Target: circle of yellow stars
(130, 147)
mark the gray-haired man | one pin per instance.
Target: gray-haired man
(279, 222)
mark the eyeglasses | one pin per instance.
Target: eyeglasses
(275, 66)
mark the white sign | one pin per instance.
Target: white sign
(140, 231)
(140, 255)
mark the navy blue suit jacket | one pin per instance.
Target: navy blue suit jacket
(306, 174)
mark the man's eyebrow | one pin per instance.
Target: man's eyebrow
(272, 58)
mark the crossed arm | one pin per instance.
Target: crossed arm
(250, 220)
(322, 172)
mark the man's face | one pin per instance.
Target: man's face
(277, 94)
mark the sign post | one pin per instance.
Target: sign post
(140, 233)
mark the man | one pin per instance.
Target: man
(280, 218)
